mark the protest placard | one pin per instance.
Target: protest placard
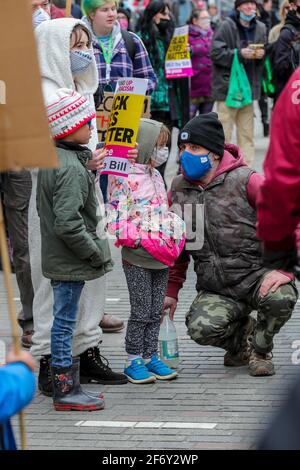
(69, 9)
(123, 126)
(25, 140)
(178, 58)
(104, 110)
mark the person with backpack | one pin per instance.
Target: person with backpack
(286, 54)
(170, 100)
(275, 31)
(118, 53)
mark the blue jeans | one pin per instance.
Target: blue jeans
(65, 307)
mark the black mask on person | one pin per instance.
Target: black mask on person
(163, 25)
(298, 9)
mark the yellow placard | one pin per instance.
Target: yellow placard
(104, 110)
(124, 123)
(178, 49)
(124, 120)
(178, 58)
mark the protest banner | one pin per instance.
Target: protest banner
(104, 110)
(123, 126)
(178, 58)
(25, 139)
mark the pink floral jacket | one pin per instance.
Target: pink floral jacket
(139, 215)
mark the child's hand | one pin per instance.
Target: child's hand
(22, 356)
(133, 154)
(97, 162)
(169, 303)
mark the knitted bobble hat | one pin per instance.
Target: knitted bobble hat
(67, 112)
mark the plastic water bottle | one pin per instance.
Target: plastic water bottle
(168, 342)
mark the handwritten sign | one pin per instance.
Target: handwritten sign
(124, 123)
(178, 58)
(25, 140)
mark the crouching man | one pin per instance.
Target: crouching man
(231, 278)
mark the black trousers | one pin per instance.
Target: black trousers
(17, 190)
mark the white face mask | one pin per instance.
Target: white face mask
(160, 156)
(80, 61)
(39, 16)
(204, 23)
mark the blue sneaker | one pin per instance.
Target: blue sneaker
(137, 373)
(160, 369)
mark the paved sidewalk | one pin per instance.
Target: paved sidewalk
(207, 407)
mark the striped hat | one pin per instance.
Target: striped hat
(68, 111)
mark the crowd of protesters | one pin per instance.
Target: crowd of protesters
(57, 220)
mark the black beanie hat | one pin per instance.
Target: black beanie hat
(125, 12)
(238, 3)
(205, 130)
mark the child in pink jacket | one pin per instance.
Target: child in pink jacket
(152, 238)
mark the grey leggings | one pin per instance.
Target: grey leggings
(147, 289)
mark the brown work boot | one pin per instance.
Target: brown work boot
(242, 357)
(26, 339)
(260, 364)
(111, 324)
(236, 360)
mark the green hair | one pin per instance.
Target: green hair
(90, 6)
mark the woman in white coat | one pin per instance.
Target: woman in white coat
(67, 61)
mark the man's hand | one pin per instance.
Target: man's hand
(97, 163)
(273, 280)
(247, 53)
(22, 356)
(170, 303)
(259, 53)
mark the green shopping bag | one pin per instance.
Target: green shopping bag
(239, 91)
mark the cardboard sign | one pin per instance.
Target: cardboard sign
(124, 123)
(104, 110)
(25, 139)
(178, 58)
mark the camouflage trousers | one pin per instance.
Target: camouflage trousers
(217, 320)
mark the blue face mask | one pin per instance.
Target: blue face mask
(247, 18)
(195, 166)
